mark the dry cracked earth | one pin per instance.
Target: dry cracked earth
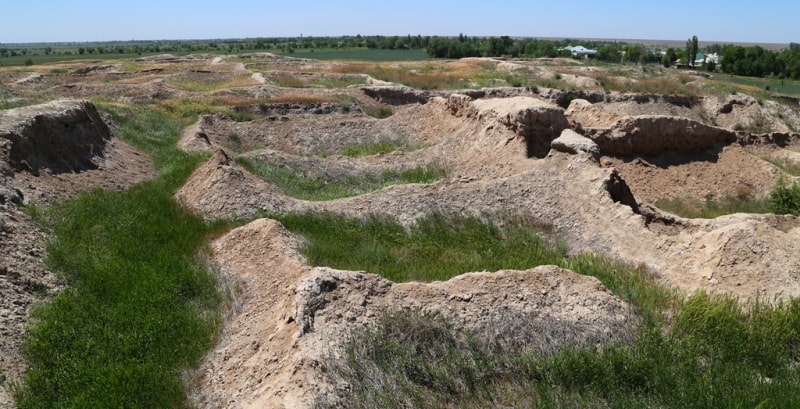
(589, 163)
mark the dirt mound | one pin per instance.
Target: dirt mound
(271, 349)
(644, 134)
(716, 173)
(287, 316)
(587, 204)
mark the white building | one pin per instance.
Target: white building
(579, 50)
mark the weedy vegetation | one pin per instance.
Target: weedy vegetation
(712, 208)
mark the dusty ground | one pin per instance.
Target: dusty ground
(496, 146)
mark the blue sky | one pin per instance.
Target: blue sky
(94, 20)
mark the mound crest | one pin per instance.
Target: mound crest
(272, 347)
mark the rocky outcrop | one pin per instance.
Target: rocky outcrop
(572, 142)
(779, 139)
(652, 135)
(63, 136)
(587, 118)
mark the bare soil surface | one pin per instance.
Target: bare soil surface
(286, 316)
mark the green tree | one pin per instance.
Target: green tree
(665, 61)
(691, 50)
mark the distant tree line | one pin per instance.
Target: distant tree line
(465, 46)
(755, 61)
(284, 44)
(747, 61)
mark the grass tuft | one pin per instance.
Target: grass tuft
(357, 151)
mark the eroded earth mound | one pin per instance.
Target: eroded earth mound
(286, 316)
(590, 163)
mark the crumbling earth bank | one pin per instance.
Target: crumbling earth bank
(272, 347)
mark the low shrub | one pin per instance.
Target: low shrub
(785, 198)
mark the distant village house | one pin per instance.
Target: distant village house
(579, 50)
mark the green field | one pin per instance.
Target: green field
(361, 54)
(775, 85)
(353, 54)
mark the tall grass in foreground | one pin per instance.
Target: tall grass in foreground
(297, 183)
(140, 308)
(698, 351)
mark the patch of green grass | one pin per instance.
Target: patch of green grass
(786, 165)
(287, 80)
(151, 130)
(750, 84)
(695, 352)
(436, 248)
(711, 208)
(357, 151)
(240, 116)
(189, 108)
(301, 185)
(440, 247)
(361, 54)
(140, 307)
(206, 86)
